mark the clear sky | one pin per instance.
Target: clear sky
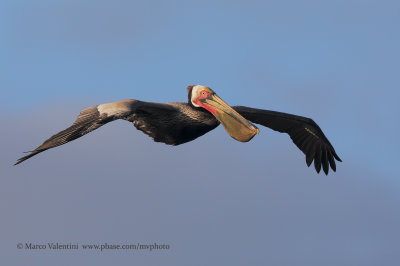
(214, 201)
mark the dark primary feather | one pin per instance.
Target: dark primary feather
(88, 120)
(171, 123)
(304, 132)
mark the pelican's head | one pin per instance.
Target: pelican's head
(236, 125)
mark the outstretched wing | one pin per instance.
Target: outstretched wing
(88, 120)
(304, 132)
(173, 123)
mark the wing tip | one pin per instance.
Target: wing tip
(323, 159)
(317, 167)
(20, 160)
(336, 156)
(32, 153)
(326, 171)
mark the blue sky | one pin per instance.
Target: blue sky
(334, 61)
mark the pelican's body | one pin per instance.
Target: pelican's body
(178, 123)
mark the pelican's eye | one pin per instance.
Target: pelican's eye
(203, 93)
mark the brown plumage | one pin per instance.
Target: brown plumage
(178, 123)
(171, 123)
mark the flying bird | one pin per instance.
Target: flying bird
(177, 123)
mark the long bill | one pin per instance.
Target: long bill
(236, 125)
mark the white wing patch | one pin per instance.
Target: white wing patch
(115, 108)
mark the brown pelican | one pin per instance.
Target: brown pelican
(178, 123)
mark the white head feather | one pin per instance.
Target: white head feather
(195, 89)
